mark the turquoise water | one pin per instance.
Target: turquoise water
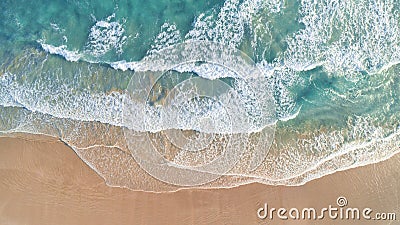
(328, 82)
(69, 22)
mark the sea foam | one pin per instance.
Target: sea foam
(322, 129)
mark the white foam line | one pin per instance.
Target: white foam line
(345, 150)
(72, 56)
(292, 116)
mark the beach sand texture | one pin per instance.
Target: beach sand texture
(42, 181)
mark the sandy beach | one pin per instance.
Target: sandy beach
(42, 181)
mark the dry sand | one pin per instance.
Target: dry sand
(42, 181)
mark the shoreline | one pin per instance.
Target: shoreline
(47, 179)
(170, 188)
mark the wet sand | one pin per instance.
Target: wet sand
(42, 181)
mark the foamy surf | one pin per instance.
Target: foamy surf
(334, 96)
(289, 163)
(62, 50)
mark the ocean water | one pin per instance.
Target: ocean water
(159, 95)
